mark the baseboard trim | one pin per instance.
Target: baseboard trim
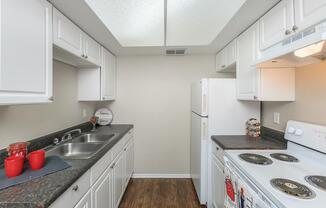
(140, 175)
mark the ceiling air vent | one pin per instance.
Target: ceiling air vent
(175, 52)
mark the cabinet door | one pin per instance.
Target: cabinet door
(108, 75)
(247, 74)
(85, 202)
(232, 53)
(102, 191)
(118, 183)
(129, 160)
(67, 35)
(26, 51)
(309, 12)
(276, 24)
(218, 189)
(92, 50)
(219, 61)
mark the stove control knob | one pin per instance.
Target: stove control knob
(298, 132)
(291, 130)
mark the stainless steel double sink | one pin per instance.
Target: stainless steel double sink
(83, 146)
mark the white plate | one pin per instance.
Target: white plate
(105, 116)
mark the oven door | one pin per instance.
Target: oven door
(246, 196)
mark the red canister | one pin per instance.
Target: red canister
(18, 149)
(14, 166)
(36, 159)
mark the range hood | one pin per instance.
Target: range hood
(303, 48)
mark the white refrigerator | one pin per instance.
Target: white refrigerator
(215, 110)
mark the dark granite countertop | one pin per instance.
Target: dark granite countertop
(41, 192)
(270, 139)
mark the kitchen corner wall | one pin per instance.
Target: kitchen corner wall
(25, 122)
(310, 104)
(153, 93)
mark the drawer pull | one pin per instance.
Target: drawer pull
(75, 188)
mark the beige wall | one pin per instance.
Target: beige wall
(154, 95)
(25, 122)
(310, 104)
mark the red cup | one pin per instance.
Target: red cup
(36, 159)
(14, 166)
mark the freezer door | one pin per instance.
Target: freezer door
(198, 154)
(199, 92)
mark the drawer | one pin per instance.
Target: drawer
(218, 152)
(121, 144)
(100, 166)
(74, 193)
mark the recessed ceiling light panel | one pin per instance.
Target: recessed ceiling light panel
(198, 22)
(132, 22)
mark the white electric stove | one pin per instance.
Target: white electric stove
(291, 178)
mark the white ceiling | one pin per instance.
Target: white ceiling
(79, 12)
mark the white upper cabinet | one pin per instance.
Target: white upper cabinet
(226, 58)
(277, 24)
(247, 44)
(108, 75)
(26, 51)
(308, 13)
(264, 84)
(66, 34)
(98, 84)
(72, 45)
(92, 50)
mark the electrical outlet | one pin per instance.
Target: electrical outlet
(84, 114)
(276, 117)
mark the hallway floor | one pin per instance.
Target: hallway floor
(160, 193)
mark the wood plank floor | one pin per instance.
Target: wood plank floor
(160, 193)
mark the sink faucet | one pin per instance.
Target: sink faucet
(68, 135)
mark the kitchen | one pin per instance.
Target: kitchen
(61, 61)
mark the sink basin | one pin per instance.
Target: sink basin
(93, 138)
(76, 150)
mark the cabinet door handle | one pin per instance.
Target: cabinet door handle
(295, 28)
(288, 32)
(83, 55)
(75, 188)
(86, 57)
(223, 66)
(255, 97)
(112, 166)
(217, 148)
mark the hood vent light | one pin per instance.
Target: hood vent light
(175, 52)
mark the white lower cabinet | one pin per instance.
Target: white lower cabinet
(118, 182)
(102, 187)
(129, 160)
(218, 189)
(102, 191)
(85, 202)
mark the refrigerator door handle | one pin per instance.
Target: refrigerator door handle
(204, 130)
(204, 103)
